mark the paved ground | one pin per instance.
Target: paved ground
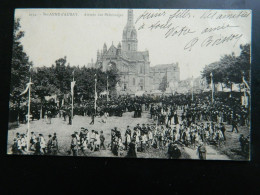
(64, 132)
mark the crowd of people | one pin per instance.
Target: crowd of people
(177, 120)
(35, 145)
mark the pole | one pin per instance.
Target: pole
(107, 88)
(192, 89)
(95, 103)
(72, 99)
(212, 88)
(28, 118)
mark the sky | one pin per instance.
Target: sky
(78, 33)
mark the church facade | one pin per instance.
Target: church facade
(133, 65)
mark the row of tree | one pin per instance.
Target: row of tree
(55, 79)
(230, 68)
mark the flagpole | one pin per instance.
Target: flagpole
(95, 103)
(212, 88)
(72, 98)
(192, 89)
(28, 118)
(107, 88)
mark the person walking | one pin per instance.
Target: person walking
(49, 145)
(202, 151)
(132, 149)
(102, 141)
(74, 145)
(234, 125)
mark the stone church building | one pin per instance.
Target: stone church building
(133, 65)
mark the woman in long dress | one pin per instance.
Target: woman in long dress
(132, 150)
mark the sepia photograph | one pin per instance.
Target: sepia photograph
(131, 83)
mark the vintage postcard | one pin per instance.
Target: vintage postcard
(131, 83)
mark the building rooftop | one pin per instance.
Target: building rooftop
(176, 65)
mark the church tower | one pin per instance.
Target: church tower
(129, 42)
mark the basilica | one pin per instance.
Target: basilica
(136, 74)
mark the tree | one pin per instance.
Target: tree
(163, 84)
(230, 68)
(20, 67)
(42, 86)
(63, 75)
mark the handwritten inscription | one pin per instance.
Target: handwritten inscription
(213, 41)
(217, 32)
(212, 29)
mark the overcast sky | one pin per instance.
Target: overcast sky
(48, 37)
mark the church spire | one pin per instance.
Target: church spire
(129, 41)
(130, 18)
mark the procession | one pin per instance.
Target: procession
(124, 100)
(174, 122)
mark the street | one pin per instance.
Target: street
(64, 131)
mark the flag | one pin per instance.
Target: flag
(96, 96)
(72, 87)
(27, 88)
(25, 91)
(212, 84)
(244, 81)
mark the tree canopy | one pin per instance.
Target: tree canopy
(20, 67)
(230, 68)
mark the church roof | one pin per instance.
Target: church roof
(111, 51)
(136, 55)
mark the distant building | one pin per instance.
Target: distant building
(198, 84)
(91, 64)
(158, 72)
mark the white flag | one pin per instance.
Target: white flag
(25, 91)
(96, 96)
(27, 88)
(72, 86)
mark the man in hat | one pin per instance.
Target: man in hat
(16, 145)
(97, 142)
(92, 119)
(49, 145)
(92, 140)
(242, 142)
(102, 141)
(113, 134)
(173, 150)
(127, 137)
(223, 129)
(54, 146)
(77, 137)
(74, 145)
(234, 124)
(138, 127)
(32, 141)
(23, 143)
(202, 151)
(42, 143)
